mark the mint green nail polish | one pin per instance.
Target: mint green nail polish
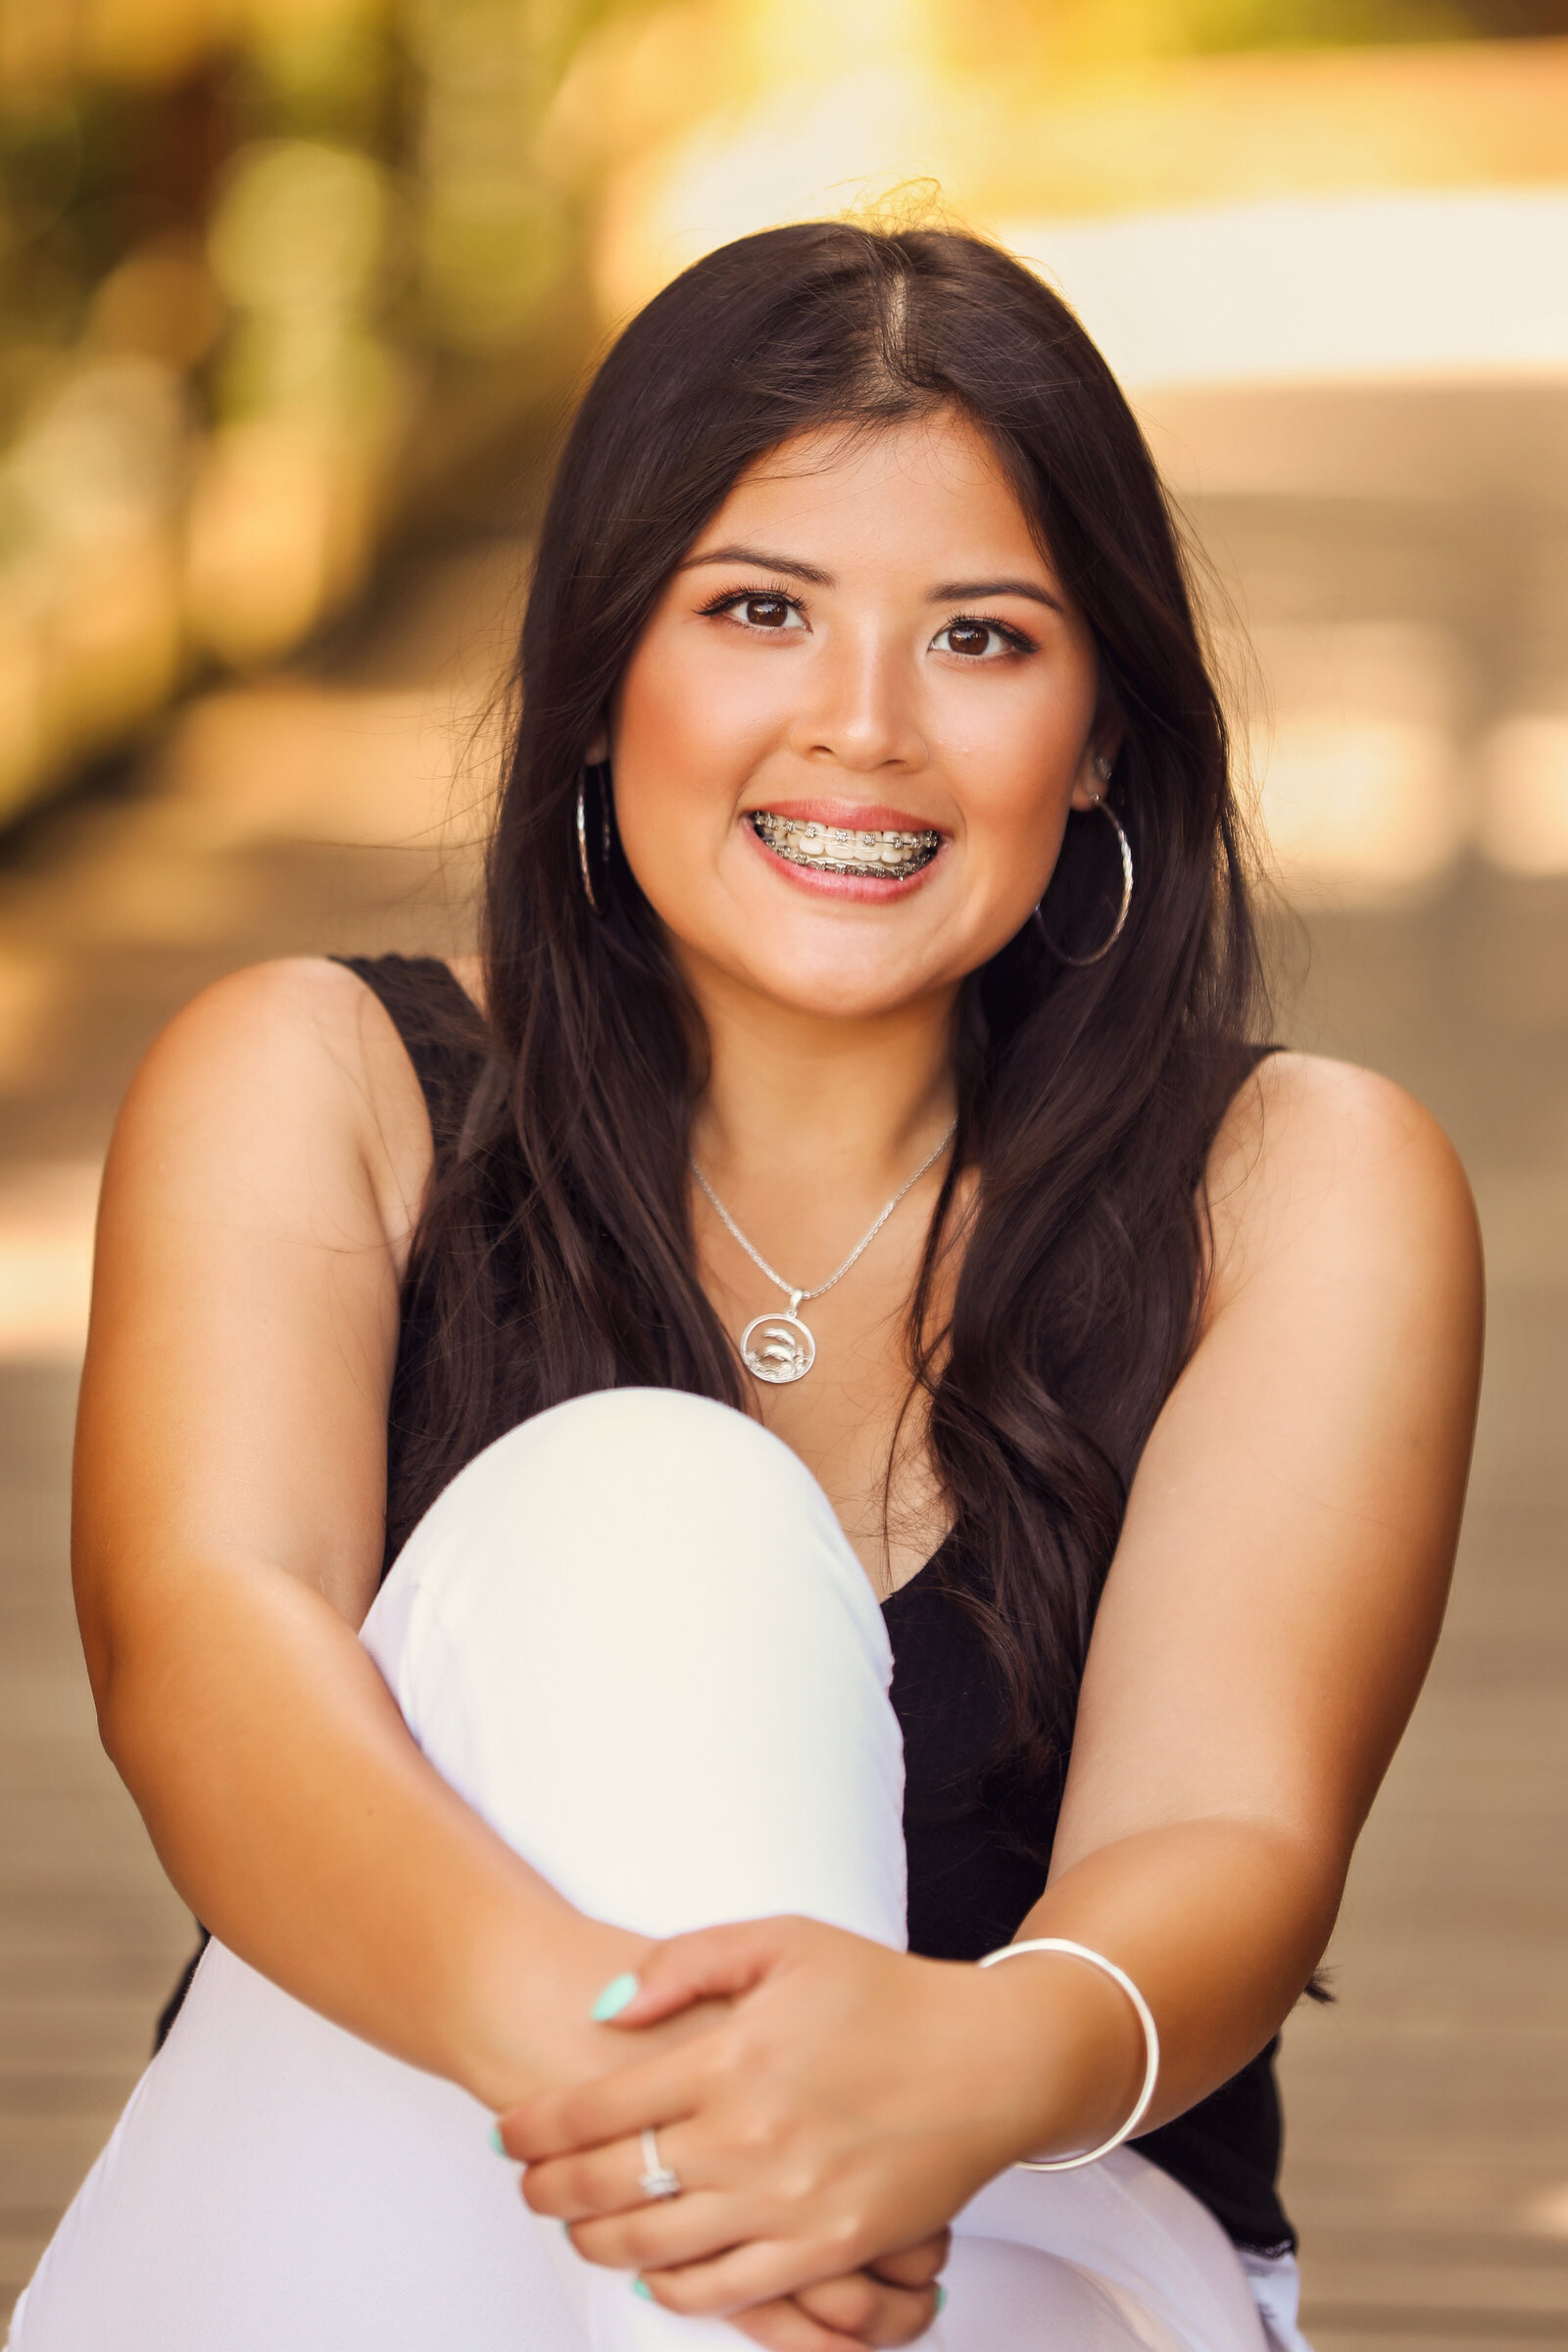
(496, 2140)
(617, 1995)
(640, 2286)
(942, 2301)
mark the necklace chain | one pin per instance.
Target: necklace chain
(795, 1297)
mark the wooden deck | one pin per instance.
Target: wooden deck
(1428, 2109)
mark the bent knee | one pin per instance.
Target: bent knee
(629, 1460)
(627, 1499)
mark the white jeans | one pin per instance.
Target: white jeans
(633, 1636)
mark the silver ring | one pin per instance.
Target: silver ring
(656, 2178)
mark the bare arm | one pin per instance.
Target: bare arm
(1284, 1566)
(228, 1532)
(230, 1481)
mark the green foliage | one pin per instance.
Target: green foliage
(1220, 24)
(1213, 25)
(1119, 28)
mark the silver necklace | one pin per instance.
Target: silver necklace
(780, 1348)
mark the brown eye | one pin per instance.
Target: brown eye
(968, 637)
(767, 612)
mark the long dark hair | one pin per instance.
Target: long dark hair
(555, 1255)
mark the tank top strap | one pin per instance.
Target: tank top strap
(441, 1028)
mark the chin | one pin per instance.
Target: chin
(832, 994)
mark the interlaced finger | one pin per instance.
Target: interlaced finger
(618, 2106)
(783, 2327)
(694, 2228)
(917, 2264)
(870, 2310)
(607, 2180)
(753, 2269)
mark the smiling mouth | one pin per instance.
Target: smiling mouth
(880, 856)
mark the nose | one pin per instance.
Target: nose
(859, 709)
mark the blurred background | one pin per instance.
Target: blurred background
(294, 296)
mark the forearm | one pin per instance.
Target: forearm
(1220, 1924)
(293, 1811)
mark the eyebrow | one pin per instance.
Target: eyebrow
(970, 592)
(950, 592)
(761, 561)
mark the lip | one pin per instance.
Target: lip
(854, 816)
(853, 887)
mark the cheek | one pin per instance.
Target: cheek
(682, 748)
(689, 727)
(649, 748)
(1014, 766)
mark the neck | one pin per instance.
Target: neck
(843, 1107)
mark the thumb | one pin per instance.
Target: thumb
(915, 2266)
(711, 1964)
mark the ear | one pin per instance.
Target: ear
(598, 750)
(1094, 768)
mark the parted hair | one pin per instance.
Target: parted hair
(555, 1254)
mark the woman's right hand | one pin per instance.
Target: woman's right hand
(892, 2301)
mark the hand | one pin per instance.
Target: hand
(847, 2105)
(550, 2041)
(892, 2303)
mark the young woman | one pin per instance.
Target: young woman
(847, 1177)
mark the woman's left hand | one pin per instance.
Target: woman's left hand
(849, 2101)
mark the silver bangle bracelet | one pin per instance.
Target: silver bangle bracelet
(1117, 1976)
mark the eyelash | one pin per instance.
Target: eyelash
(1016, 639)
(742, 596)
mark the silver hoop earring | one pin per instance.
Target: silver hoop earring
(1079, 962)
(582, 836)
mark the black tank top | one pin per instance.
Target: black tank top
(977, 1858)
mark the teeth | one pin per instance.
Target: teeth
(842, 849)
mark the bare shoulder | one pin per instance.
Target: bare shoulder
(285, 1067)
(294, 1008)
(1324, 1171)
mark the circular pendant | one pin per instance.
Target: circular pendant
(777, 1348)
